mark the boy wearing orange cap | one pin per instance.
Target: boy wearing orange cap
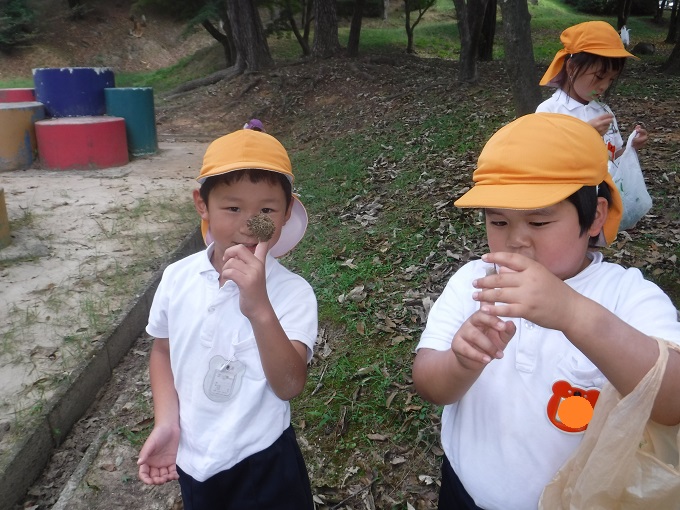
(583, 71)
(234, 331)
(539, 319)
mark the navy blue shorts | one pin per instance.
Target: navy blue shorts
(273, 479)
(452, 495)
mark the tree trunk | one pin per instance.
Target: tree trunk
(488, 32)
(252, 50)
(355, 28)
(470, 14)
(326, 43)
(225, 39)
(672, 65)
(308, 17)
(386, 9)
(672, 36)
(658, 12)
(623, 11)
(519, 56)
(303, 40)
(407, 25)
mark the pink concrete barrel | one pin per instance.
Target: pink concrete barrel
(17, 134)
(17, 95)
(82, 143)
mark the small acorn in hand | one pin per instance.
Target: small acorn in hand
(261, 227)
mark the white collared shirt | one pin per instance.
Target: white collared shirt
(499, 437)
(560, 102)
(202, 321)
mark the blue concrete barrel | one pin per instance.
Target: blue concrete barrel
(135, 105)
(72, 91)
(17, 134)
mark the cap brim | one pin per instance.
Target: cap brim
(613, 53)
(516, 196)
(291, 233)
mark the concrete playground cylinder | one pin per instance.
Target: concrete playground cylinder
(82, 143)
(22, 95)
(5, 238)
(17, 134)
(136, 106)
(72, 91)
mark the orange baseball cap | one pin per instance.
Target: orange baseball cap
(249, 149)
(596, 37)
(539, 160)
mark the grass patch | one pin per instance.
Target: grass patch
(202, 63)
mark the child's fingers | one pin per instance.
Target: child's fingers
(482, 337)
(261, 250)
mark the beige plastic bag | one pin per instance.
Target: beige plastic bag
(625, 461)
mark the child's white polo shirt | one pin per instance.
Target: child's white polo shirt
(207, 331)
(500, 438)
(560, 102)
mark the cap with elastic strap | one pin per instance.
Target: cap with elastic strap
(539, 160)
(249, 149)
(596, 37)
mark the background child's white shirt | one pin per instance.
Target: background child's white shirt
(498, 437)
(201, 320)
(560, 102)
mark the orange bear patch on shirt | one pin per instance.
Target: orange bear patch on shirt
(562, 390)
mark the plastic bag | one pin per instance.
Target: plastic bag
(627, 176)
(625, 461)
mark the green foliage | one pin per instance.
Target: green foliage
(179, 9)
(202, 63)
(372, 8)
(16, 19)
(606, 7)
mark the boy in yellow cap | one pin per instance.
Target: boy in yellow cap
(539, 319)
(583, 71)
(234, 331)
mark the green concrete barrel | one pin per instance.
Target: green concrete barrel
(135, 105)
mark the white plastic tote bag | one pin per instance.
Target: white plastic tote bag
(625, 461)
(627, 176)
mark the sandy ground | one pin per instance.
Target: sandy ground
(77, 240)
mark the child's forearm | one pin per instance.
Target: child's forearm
(284, 360)
(625, 355)
(439, 377)
(165, 401)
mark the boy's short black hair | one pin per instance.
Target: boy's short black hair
(582, 61)
(254, 175)
(585, 201)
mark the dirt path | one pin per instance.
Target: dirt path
(78, 238)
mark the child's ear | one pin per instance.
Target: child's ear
(200, 205)
(600, 217)
(289, 211)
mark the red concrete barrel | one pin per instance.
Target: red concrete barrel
(17, 95)
(17, 134)
(82, 143)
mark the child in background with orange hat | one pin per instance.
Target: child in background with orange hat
(583, 71)
(234, 331)
(539, 319)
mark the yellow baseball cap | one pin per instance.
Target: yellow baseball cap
(249, 149)
(596, 37)
(539, 160)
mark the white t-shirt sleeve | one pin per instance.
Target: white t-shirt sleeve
(157, 326)
(643, 305)
(451, 309)
(298, 315)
